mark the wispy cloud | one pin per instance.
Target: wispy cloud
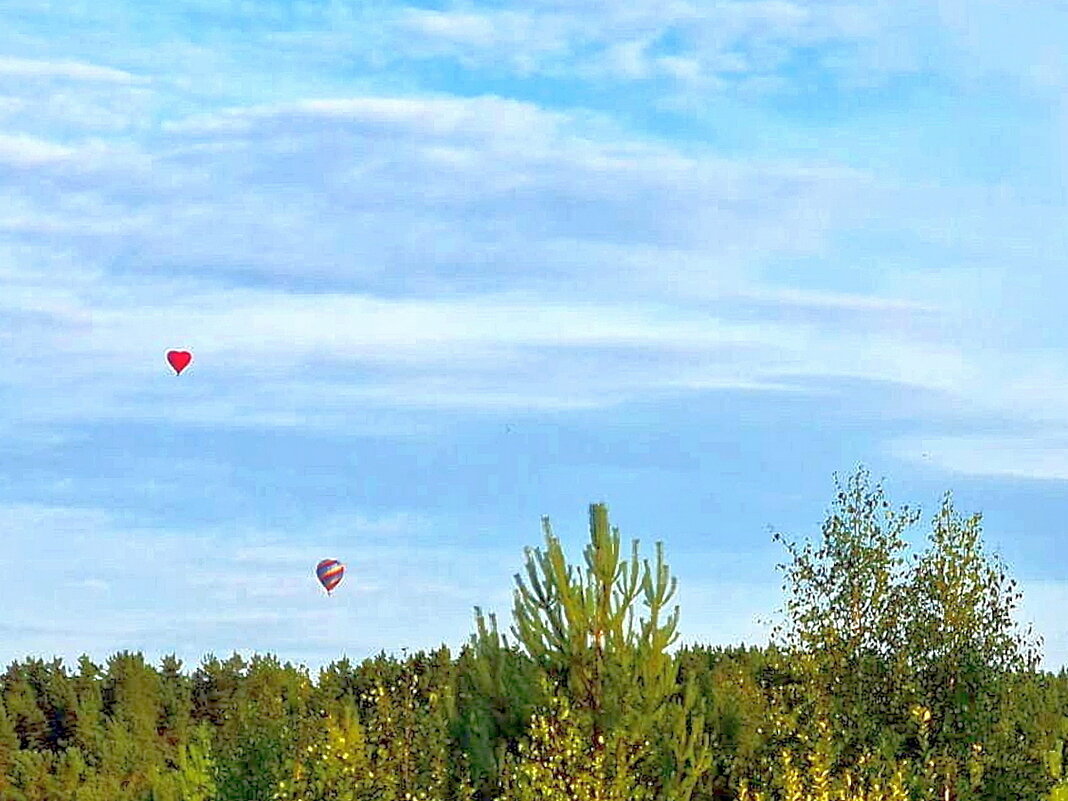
(368, 219)
(473, 184)
(25, 151)
(470, 183)
(72, 70)
(725, 42)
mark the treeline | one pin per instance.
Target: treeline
(893, 676)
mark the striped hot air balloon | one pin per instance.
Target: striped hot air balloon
(330, 572)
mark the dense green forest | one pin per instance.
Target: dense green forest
(893, 675)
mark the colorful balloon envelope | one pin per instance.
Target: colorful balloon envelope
(330, 573)
(179, 360)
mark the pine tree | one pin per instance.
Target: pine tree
(215, 685)
(70, 773)
(336, 687)
(56, 698)
(9, 746)
(32, 776)
(176, 694)
(578, 626)
(20, 698)
(498, 691)
(261, 731)
(89, 734)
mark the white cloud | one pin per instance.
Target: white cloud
(501, 201)
(477, 184)
(26, 151)
(72, 70)
(460, 28)
(712, 44)
(490, 119)
(783, 296)
(267, 358)
(416, 191)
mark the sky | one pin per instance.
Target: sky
(445, 268)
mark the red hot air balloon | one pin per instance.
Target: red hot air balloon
(179, 360)
(330, 572)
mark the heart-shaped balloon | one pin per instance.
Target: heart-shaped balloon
(179, 360)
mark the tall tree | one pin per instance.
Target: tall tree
(176, 693)
(936, 635)
(498, 692)
(9, 746)
(845, 599)
(260, 732)
(963, 643)
(578, 626)
(90, 734)
(20, 697)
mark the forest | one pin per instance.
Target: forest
(894, 673)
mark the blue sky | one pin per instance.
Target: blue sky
(448, 267)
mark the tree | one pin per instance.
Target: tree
(89, 734)
(963, 643)
(260, 730)
(176, 690)
(936, 635)
(578, 627)
(846, 598)
(215, 683)
(498, 691)
(21, 699)
(9, 746)
(133, 749)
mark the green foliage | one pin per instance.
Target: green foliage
(176, 696)
(215, 684)
(332, 763)
(407, 732)
(20, 698)
(401, 749)
(9, 746)
(892, 679)
(888, 636)
(565, 761)
(578, 626)
(251, 762)
(846, 600)
(736, 708)
(89, 729)
(33, 776)
(498, 690)
(195, 768)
